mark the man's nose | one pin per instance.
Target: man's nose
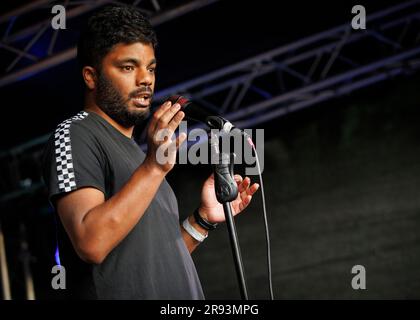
(144, 78)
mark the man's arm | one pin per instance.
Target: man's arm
(96, 226)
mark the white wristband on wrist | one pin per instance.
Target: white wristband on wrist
(193, 232)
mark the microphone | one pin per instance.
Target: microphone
(195, 113)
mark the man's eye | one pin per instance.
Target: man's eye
(127, 68)
(152, 70)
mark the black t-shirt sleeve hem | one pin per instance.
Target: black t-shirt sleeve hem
(55, 196)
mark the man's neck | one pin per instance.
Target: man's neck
(92, 107)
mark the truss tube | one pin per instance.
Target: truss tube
(268, 56)
(179, 11)
(326, 95)
(23, 9)
(38, 67)
(322, 84)
(4, 271)
(69, 54)
(69, 14)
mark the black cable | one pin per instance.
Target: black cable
(267, 236)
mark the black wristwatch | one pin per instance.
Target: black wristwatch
(202, 222)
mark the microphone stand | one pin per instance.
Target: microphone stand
(226, 191)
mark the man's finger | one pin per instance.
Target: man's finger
(248, 200)
(176, 120)
(244, 185)
(251, 190)
(180, 140)
(156, 116)
(238, 180)
(245, 202)
(167, 116)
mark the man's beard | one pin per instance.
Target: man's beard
(109, 99)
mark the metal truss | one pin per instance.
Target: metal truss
(295, 76)
(30, 44)
(311, 70)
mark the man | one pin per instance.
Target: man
(112, 199)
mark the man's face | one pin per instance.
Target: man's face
(126, 82)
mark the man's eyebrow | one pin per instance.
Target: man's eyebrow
(128, 60)
(153, 61)
(134, 61)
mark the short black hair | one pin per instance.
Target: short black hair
(110, 26)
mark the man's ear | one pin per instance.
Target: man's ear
(89, 76)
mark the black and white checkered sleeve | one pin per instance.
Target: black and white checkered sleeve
(72, 159)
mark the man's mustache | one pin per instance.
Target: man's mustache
(140, 91)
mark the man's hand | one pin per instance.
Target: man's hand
(161, 153)
(211, 210)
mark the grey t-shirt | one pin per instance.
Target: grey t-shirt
(152, 262)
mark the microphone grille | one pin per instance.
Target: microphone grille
(183, 102)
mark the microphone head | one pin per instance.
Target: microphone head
(191, 110)
(217, 122)
(183, 102)
(200, 114)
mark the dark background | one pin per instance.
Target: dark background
(341, 178)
